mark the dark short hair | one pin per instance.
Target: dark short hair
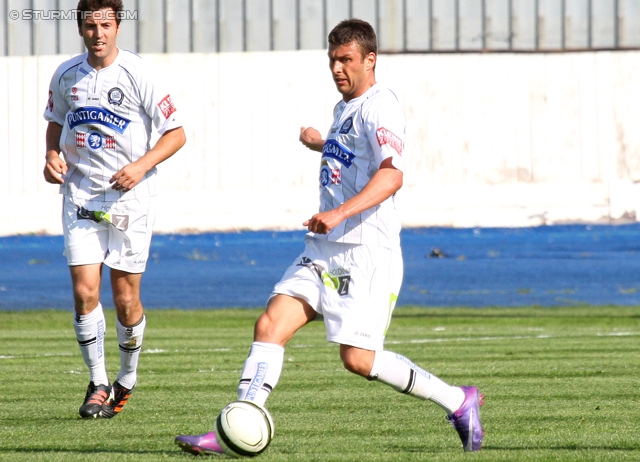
(355, 30)
(84, 6)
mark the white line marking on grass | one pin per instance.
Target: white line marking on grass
(515, 337)
(39, 355)
(616, 334)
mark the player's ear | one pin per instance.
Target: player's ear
(370, 61)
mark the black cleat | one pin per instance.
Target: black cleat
(116, 401)
(94, 399)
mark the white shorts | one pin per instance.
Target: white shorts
(354, 287)
(117, 234)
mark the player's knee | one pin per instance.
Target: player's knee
(126, 304)
(262, 325)
(357, 361)
(86, 298)
(266, 329)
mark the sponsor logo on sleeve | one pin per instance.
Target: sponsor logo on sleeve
(50, 102)
(335, 150)
(97, 115)
(166, 106)
(388, 137)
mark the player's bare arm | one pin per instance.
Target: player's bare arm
(311, 138)
(384, 184)
(55, 167)
(130, 175)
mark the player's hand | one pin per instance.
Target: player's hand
(324, 222)
(311, 138)
(55, 169)
(127, 177)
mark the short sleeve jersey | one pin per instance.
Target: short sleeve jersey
(106, 118)
(365, 131)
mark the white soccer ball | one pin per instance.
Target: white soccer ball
(244, 429)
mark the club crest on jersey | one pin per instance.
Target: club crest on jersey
(95, 141)
(335, 150)
(346, 126)
(388, 137)
(166, 106)
(97, 115)
(115, 96)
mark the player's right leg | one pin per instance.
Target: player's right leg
(292, 304)
(287, 311)
(85, 246)
(275, 327)
(90, 327)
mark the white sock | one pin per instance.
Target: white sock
(261, 372)
(90, 329)
(130, 343)
(404, 376)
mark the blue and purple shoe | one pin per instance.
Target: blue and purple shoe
(466, 420)
(200, 444)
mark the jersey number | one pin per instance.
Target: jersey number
(343, 285)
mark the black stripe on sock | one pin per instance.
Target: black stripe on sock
(87, 342)
(412, 382)
(129, 350)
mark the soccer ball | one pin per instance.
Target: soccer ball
(244, 429)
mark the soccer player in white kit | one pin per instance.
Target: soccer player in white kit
(100, 109)
(350, 271)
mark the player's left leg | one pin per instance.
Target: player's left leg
(130, 326)
(130, 234)
(363, 316)
(461, 403)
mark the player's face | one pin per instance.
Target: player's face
(352, 72)
(99, 31)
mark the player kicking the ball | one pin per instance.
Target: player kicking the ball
(100, 109)
(351, 268)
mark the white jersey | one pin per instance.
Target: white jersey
(365, 131)
(106, 118)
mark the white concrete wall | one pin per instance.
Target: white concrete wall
(493, 139)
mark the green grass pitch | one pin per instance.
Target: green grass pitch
(561, 384)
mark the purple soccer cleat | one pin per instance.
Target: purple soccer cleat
(466, 420)
(200, 444)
